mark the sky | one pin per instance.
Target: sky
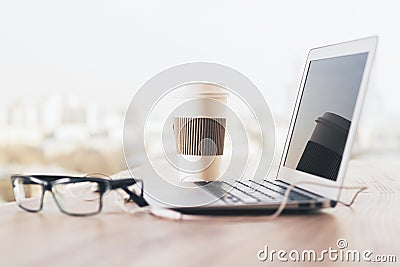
(103, 51)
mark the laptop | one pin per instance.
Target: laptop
(317, 147)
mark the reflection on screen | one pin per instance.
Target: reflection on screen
(324, 115)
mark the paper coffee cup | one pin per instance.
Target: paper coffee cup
(199, 129)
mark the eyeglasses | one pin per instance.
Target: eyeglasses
(76, 196)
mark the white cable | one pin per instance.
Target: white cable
(287, 192)
(157, 212)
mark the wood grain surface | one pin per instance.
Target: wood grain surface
(116, 238)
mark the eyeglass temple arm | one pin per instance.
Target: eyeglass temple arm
(116, 184)
(139, 200)
(123, 184)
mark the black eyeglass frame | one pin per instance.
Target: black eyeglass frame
(48, 181)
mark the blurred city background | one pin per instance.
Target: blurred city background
(68, 70)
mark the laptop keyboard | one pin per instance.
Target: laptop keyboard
(252, 192)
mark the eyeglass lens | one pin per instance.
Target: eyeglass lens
(79, 198)
(28, 194)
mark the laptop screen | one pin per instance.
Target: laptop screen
(324, 115)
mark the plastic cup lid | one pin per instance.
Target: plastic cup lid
(201, 90)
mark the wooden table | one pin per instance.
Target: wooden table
(115, 238)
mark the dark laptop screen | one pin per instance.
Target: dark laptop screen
(324, 115)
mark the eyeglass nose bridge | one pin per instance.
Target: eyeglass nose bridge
(47, 187)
